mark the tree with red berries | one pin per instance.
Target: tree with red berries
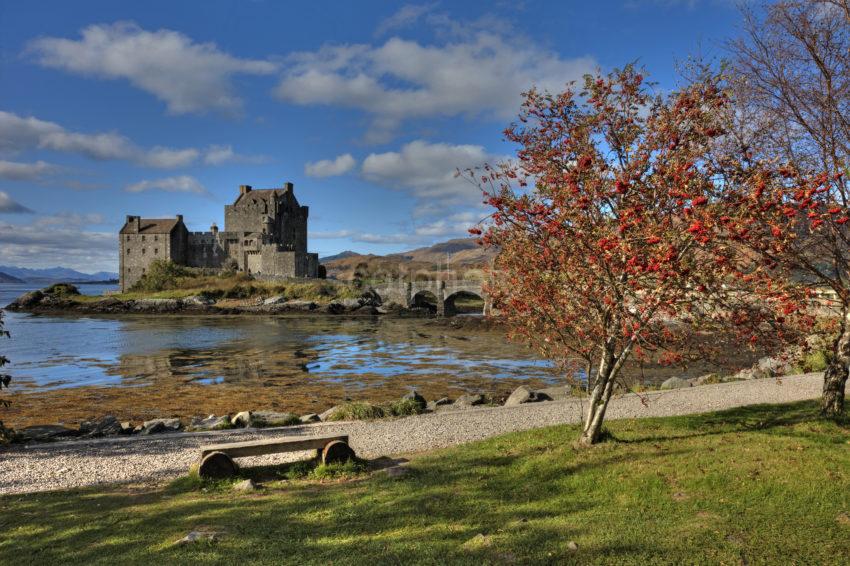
(611, 228)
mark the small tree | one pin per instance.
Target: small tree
(608, 232)
(791, 79)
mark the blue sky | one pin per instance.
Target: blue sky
(159, 108)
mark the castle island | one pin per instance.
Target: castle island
(265, 235)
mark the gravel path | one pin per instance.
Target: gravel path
(63, 465)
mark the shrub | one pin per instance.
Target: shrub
(816, 361)
(405, 407)
(357, 412)
(161, 275)
(62, 289)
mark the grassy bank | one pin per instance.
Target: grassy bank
(767, 484)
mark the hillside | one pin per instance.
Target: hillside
(461, 254)
(54, 275)
(6, 278)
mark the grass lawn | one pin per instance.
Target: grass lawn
(758, 485)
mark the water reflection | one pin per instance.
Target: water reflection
(50, 352)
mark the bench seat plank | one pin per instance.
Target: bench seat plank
(272, 446)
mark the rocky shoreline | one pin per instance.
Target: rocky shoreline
(410, 404)
(70, 301)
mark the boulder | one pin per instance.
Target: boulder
(335, 308)
(310, 418)
(197, 301)
(260, 419)
(469, 400)
(433, 405)
(415, 396)
(773, 366)
(370, 298)
(329, 413)
(675, 383)
(159, 426)
(199, 536)
(276, 300)
(556, 393)
(107, 426)
(44, 433)
(242, 419)
(211, 422)
(707, 379)
(523, 394)
(27, 300)
(298, 305)
(246, 485)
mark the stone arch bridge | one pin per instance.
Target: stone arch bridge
(406, 293)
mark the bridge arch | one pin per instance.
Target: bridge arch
(425, 299)
(464, 302)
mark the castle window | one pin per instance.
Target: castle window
(143, 251)
(128, 251)
(155, 251)
(156, 238)
(143, 237)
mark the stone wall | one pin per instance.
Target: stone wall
(277, 263)
(206, 249)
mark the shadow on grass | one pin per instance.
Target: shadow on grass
(516, 498)
(764, 417)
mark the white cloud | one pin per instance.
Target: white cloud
(9, 206)
(220, 154)
(455, 226)
(476, 72)
(406, 16)
(428, 172)
(187, 76)
(330, 167)
(19, 134)
(24, 171)
(58, 240)
(179, 184)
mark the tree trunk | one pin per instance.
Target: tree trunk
(603, 387)
(596, 412)
(835, 376)
(834, 381)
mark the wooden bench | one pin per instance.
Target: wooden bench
(217, 460)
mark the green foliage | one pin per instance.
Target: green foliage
(161, 274)
(357, 412)
(62, 290)
(816, 361)
(404, 407)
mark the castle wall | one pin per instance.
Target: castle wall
(137, 251)
(206, 249)
(282, 264)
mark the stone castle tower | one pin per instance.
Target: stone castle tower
(265, 235)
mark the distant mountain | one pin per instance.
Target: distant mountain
(55, 274)
(462, 254)
(6, 278)
(341, 255)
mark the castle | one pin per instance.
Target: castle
(265, 235)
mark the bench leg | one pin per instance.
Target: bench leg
(337, 452)
(217, 465)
